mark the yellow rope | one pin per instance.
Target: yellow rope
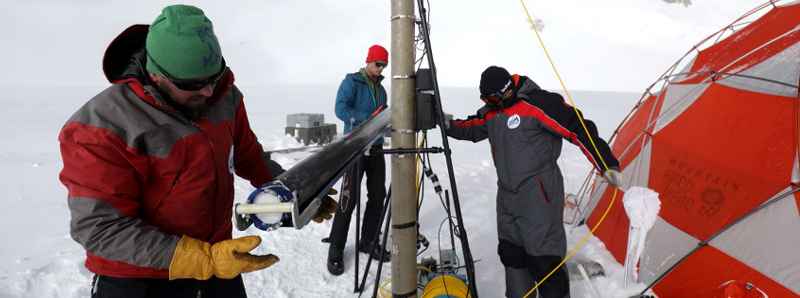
(585, 238)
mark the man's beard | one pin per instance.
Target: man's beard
(196, 103)
(193, 107)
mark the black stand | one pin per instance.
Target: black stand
(462, 234)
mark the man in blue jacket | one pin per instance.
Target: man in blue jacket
(360, 95)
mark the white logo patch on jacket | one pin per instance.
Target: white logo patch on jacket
(513, 121)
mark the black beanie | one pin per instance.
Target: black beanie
(493, 79)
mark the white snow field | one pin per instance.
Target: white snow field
(39, 259)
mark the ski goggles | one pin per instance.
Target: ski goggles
(190, 84)
(492, 99)
(496, 97)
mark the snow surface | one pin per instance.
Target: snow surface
(39, 259)
(685, 3)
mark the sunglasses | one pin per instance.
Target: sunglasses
(190, 84)
(380, 64)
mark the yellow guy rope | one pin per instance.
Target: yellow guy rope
(585, 238)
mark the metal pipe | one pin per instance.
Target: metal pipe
(404, 203)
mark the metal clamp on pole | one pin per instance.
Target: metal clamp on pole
(403, 16)
(404, 131)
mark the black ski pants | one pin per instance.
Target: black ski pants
(114, 287)
(520, 279)
(374, 165)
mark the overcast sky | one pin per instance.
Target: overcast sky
(620, 45)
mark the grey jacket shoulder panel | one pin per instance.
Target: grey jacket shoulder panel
(140, 125)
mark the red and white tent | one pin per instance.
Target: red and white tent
(717, 137)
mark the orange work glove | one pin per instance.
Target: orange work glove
(226, 259)
(327, 208)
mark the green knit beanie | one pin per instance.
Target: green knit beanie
(181, 42)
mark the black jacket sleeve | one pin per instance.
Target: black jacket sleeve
(567, 124)
(276, 170)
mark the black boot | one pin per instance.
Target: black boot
(335, 261)
(375, 252)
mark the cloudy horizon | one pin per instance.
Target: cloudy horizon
(599, 45)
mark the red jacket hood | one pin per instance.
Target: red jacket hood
(123, 61)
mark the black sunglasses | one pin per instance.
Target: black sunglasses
(190, 84)
(380, 64)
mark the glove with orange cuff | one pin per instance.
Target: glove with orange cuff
(225, 259)
(327, 208)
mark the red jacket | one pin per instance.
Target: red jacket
(140, 174)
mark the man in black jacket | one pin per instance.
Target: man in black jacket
(525, 126)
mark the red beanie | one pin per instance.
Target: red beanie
(377, 53)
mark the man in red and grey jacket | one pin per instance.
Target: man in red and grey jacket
(525, 126)
(149, 165)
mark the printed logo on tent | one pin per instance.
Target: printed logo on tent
(513, 121)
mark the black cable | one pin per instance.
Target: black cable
(439, 234)
(421, 197)
(444, 201)
(422, 251)
(452, 225)
(418, 63)
(427, 155)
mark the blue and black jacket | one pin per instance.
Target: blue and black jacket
(358, 98)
